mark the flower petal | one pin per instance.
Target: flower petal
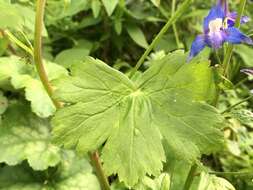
(235, 36)
(231, 17)
(247, 71)
(197, 46)
(224, 5)
(216, 39)
(215, 12)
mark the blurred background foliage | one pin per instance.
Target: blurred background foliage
(118, 32)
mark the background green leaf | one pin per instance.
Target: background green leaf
(21, 75)
(137, 35)
(156, 2)
(110, 6)
(24, 136)
(72, 174)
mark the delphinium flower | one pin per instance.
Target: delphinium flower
(218, 29)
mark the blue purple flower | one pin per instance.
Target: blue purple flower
(218, 29)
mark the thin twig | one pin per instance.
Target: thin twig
(170, 22)
(174, 27)
(237, 104)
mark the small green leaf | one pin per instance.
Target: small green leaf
(107, 107)
(96, 7)
(18, 17)
(24, 136)
(72, 174)
(57, 10)
(137, 35)
(72, 56)
(156, 2)
(9, 16)
(118, 26)
(110, 6)
(245, 53)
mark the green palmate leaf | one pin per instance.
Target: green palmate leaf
(21, 75)
(72, 174)
(133, 117)
(137, 35)
(110, 6)
(24, 136)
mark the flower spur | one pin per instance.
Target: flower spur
(218, 29)
(231, 16)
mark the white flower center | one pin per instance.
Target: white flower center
(215, 25)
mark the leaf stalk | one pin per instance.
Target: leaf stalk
(40, 10)
(98, 168)
(190, 177)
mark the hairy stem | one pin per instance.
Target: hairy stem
(170, 22)
(98, 168)
(190, 177)
(40, 8)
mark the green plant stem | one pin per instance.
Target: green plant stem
(217, 57)
(173, 8)
(170, 22)
(237, 104)
(98, 168)
(229, 49)
(190, 177)
(241, 82)
(40, 8)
